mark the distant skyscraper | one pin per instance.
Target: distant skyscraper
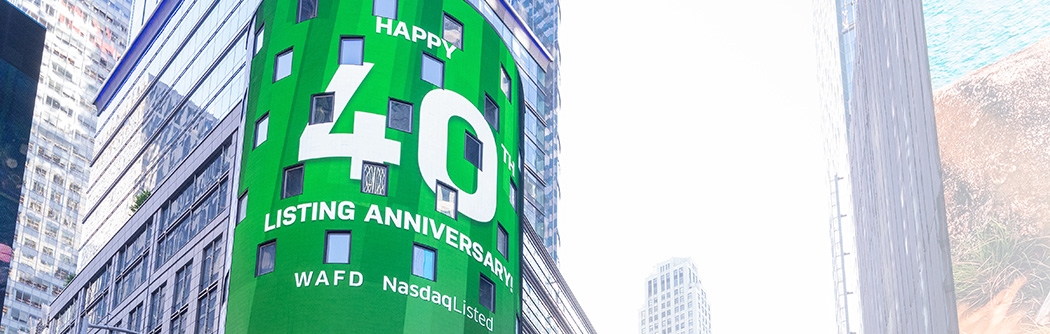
(675, 301)
(83, 42)
(21, 44)
(890, 240)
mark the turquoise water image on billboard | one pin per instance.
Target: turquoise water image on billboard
(990, 64)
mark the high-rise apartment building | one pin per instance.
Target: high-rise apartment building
(229, 180)
(891, 258)
(675, 300)
(84, 41)
(21, 46)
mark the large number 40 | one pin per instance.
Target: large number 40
(368, 142)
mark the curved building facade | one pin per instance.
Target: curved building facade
(379, 167)
(304, 166)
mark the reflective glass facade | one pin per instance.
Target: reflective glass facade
(19, 72)
(176, 95)
(890, 251)
(84, 41)
(154, 246)
(542, 18)
(164, 269)
(543, 99)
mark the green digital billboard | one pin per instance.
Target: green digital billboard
(378, 172)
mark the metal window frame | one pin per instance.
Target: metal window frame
(492, 285)
(255, 131)
(502, 232)
(348, 38)
(455, 200)
(468, 137)
(313, 104)
(258, 256)
(284, 180)
(290, 53)
(411, 114)
(327, 234)
(396, 3)
(422, 70)
(462, 29)
(242, 211)
(260, 32)
(510, 86)
(413, 263)
(299, 11)
(386, 183)
(490, 100)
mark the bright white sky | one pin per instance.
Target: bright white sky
(690, 128)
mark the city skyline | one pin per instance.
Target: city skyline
(704, 196)
(179, 147)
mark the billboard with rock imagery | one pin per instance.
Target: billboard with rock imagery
(990, 66)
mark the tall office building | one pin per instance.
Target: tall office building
(21, 46)
(542, 17)
(890, 241)
(84, 40)
(675, 300)
(229, 155)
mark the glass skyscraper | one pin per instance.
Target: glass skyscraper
(84, 41)
(890, 251)
(542, 18)
(21, 46)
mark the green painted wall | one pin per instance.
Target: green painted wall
(279, 303)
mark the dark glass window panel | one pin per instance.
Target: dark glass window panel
(399, 116)
(472, 150)
(264, 262)
(307, 10)
(293, 181)
(487, 294)
(321, 108)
